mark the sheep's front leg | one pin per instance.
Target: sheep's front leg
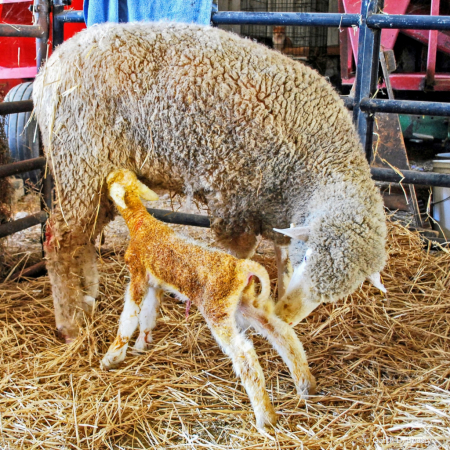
(285, 341)
(246, 365)
(127, 324)
(284, 268)
(147, 319)
(91, 278)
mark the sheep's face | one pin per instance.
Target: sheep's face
(322, 273)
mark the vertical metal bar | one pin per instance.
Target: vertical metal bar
(366, 73)
(57, 26)
(432, 48)
(41, 9)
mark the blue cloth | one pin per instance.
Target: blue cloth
(99, 11)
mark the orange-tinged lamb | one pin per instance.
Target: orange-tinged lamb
(218, 284)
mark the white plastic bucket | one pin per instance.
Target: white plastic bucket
(441, 199)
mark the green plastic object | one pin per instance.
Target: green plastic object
(425, 128)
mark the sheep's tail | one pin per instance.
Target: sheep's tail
(255, 269)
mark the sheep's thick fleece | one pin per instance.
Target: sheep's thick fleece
(263, 140)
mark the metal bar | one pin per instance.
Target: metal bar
(33, 271)
(366, 74)
(8, 170)
(405, 107)
(16, 107)
(432, 48)
(41, 10)
(22, 224)
(32, 31)
(274, 18)
(69, 17)
(348, 101)
(194, 220)
(411, 177)
(57, 26)
(402, 22)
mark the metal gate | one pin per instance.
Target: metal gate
(364, 104)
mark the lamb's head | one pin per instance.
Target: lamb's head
(341, 244)
(122, 182)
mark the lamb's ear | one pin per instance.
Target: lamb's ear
(301, 233)
(117, 193)
(146, 193)
(375, 279)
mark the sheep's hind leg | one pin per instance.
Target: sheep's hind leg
(246, 365)
(147, 319)
(285, 341)
(128, 323)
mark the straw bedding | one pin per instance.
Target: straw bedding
(382, 366)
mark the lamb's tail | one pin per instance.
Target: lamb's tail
(253, 268)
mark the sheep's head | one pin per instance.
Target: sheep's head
(301, 295)
(123, 181)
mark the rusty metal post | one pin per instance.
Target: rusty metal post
(432, 48)
(41, 10)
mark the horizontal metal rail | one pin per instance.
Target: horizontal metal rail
(291, 19)
(413, 22)
(32, 31)
(405, 107)
(9, 228)
(411, 177)
(69, 17)
(8, 170)
(16, 107)
(33, 271)
(374, 21)
(194, 220)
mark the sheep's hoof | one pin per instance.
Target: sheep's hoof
(143, 342)
(68, 334)
(88, 304)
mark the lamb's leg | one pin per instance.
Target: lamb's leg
(284, 268)
(134, 294)
(147, 319)
(284, 340)
(246, 365)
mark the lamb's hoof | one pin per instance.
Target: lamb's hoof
(306, 387)
(143, 342)
(88, 305)
(110, 361)
(267, 419)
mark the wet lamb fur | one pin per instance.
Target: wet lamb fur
(263, 140)
(220, 285)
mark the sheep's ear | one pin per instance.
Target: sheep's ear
(375, 279)
(301, 233)
(146, 193)
(117, 193)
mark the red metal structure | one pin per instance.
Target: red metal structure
(437, 41)
(18, 54)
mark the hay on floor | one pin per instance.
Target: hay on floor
(382, 365)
